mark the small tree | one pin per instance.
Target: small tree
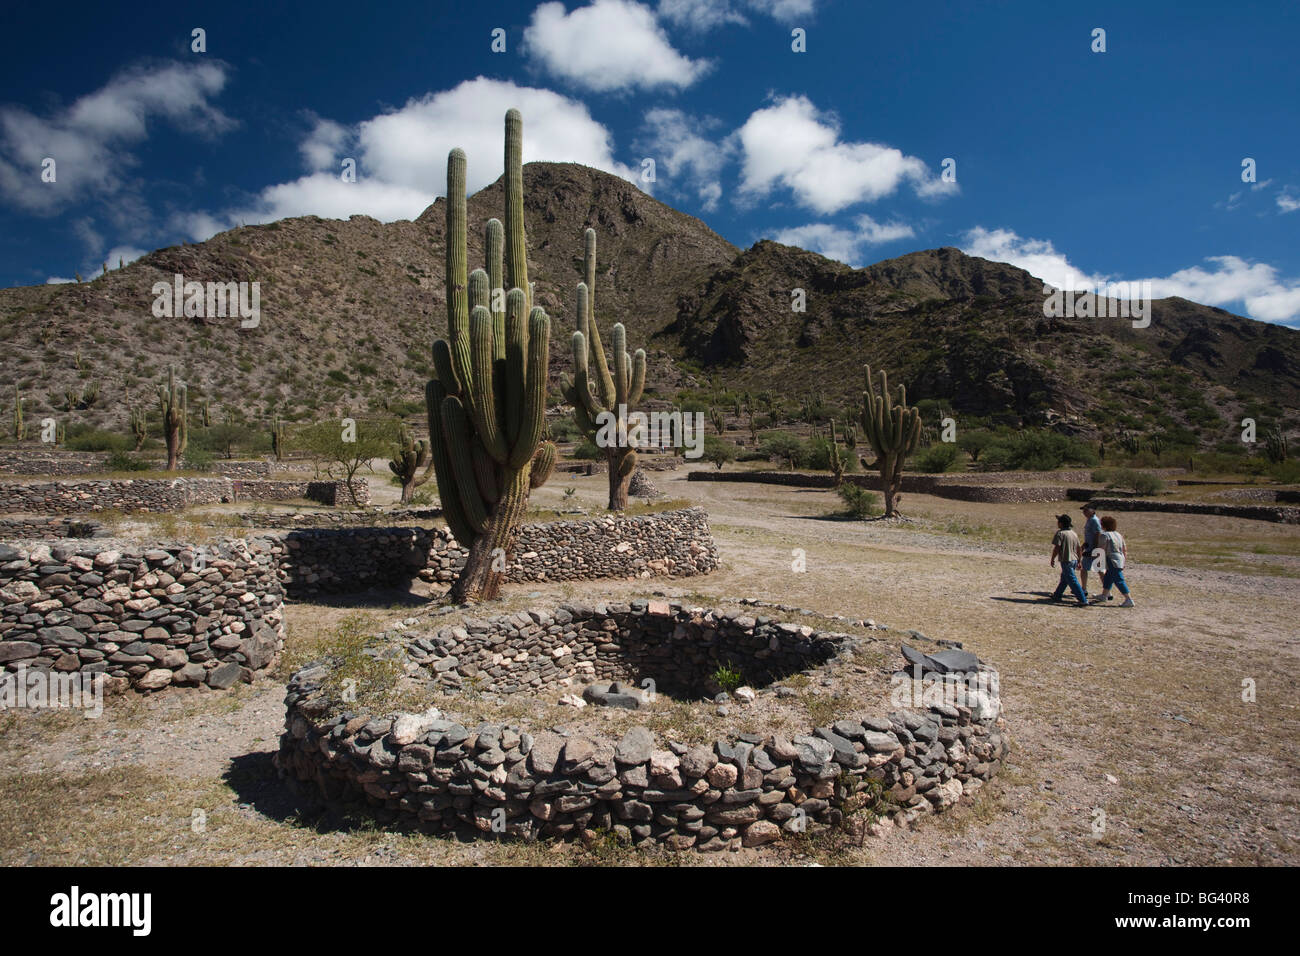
(784, 446)
(345, 450)
(718, 451)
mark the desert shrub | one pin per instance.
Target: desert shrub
(938, 458)
(564, 429)
(1144, 483)
(1038, 450)
(789, 448)
(587, 451)
(94, 439)
(198, 459)
(125, 461)
(858, 501)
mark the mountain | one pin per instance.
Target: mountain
(349, 308)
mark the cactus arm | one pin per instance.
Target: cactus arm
(457, 279)
(457, 431)
(516, 245)
(482, 406)
(494, 244)
(533, 411)
(516, 362)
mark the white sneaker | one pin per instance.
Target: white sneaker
(1128, 602)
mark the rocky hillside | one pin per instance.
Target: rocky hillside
(349, 309)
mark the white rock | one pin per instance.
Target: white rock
(744, 693)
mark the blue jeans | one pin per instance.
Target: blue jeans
(1071, 580)
(1114, 577)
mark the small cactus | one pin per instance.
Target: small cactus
(410, 457)
(19, 426)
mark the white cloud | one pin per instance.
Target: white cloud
(608, 46)
(844, 245)
(324, 145)
(703, 15)
(90, 139)
(792, 144)
(688, 160)
(402, 155)
(1286, 202)
(1038, 257)
(1228, 280)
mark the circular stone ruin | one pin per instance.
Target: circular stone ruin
(497, 738)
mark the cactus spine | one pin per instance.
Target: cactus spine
(20, 427)
(487, 401)
(171, 397)
(891, 432)
(601, 406)
(411, 456)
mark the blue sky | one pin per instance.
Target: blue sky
(1081, 166)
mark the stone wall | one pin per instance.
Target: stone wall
(1280, 514)
(43, 461)
(444, 774)
(676, 543)
(37, 528)
(145, 619)
(161, 494)
(337, 519)
(965, 487)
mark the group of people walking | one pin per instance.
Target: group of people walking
(1103, 550)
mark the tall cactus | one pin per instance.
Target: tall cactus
(20, 427)
(601, 407)
(411, 456)
(837, 458)
(175, 427)
(1275, 446)
(279, 439)
(891, 432)
(139, 427)
(487, 401)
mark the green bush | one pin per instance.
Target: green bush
(1144, 483)
(587, 451)
(198, 459)
(125, 461)
(939, 458)
(1038, 450)
(94, 439)
(859, 502)
(792, 450)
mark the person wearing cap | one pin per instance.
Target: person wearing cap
(1065, 546)
(1091, 539)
